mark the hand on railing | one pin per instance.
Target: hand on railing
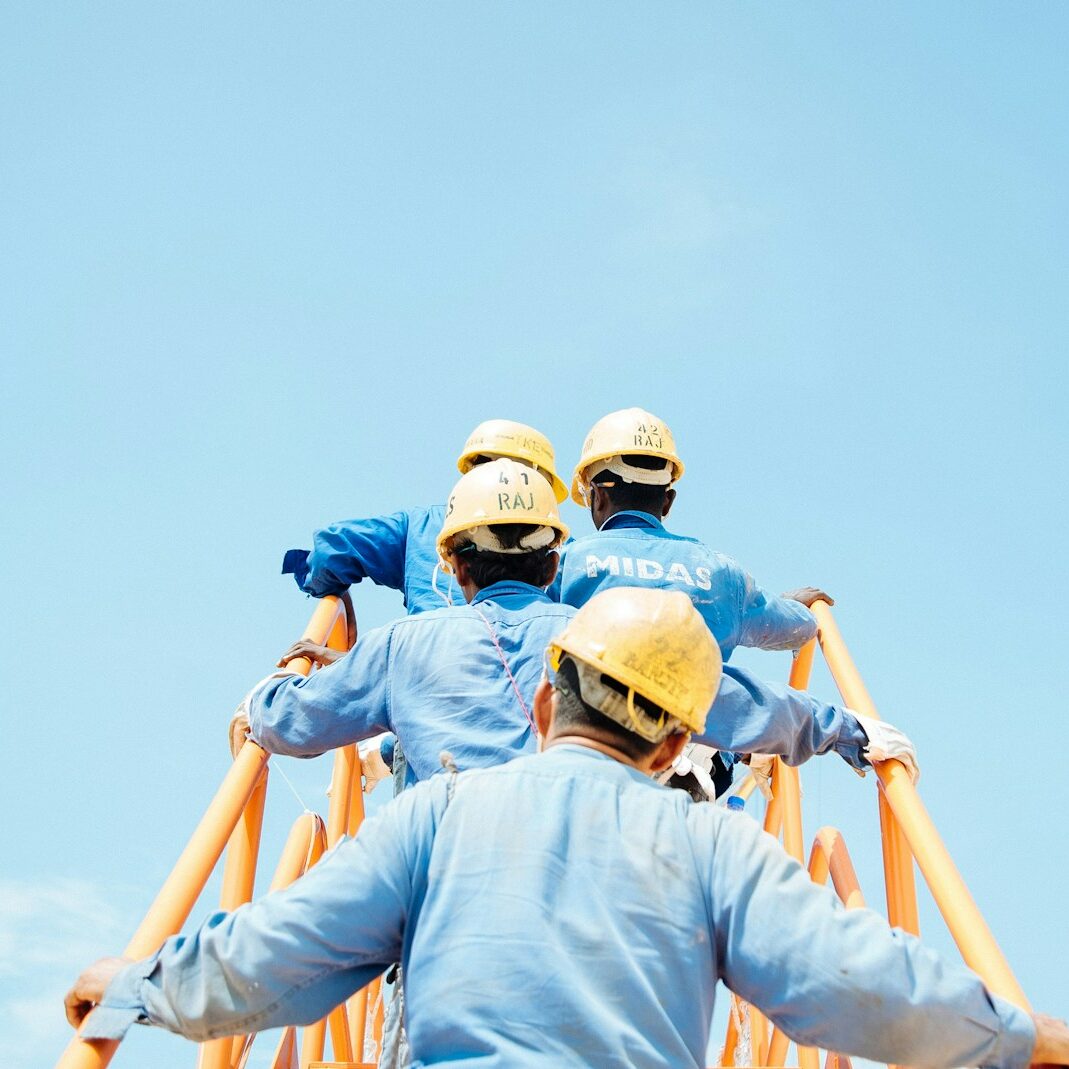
(89, 988)
(1052, 1041)
(310, 651)
(807, 595)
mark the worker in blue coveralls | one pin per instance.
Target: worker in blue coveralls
(564, 909)
(462, 678)
(398, 551)
(626, 477)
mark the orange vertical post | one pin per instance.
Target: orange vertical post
(356, 1007)
(183, 886)
(967, 925)
(180, 891)
(239, 877)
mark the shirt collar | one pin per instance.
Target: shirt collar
(628, 518)
(509, 589)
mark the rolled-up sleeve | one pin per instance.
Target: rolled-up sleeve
(351, 550)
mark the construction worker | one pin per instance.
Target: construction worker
(463, 678)
(626, 477)
(444, 678)
(398, 551)
(564, 909)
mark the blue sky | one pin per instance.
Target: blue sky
(264, 266)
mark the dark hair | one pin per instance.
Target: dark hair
(573, 712)
(534, 568)
(635, 497)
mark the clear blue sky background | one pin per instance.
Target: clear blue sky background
(264, 266)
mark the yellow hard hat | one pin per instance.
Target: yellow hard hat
(501, 491)
(507, 438)
(656, 645)
(631, 431)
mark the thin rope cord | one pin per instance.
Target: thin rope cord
(445, 595)
(508, 671)
(300, 800)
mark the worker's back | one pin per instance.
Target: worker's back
(561, 921)
(635, 549)
(460, 679)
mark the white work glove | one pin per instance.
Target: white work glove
(887, 742)
(238, 731)
(761, 765)
(372, 764)
(684, 766)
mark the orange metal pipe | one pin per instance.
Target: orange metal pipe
(180, 891)
(791, 788)
(901, 887)
(967, 925)
(239, 876)
(830, 857)
(356, 1007)
(346, 765)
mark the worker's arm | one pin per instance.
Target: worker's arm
(771, 622)
(345, 702)
(750, 716)
(837, 979)
(292, 956)
(351, 550)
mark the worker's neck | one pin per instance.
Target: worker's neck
(607, 515)
(601, 747)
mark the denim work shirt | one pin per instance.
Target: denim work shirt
(398, 551)
(564, 910)
(462, 679)
(635, 549)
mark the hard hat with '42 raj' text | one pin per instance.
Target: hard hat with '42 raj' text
(656, 645)
(629, 432)
(501, 491)
(497, 438)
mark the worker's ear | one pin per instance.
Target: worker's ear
(461, 571)
(669, 499)
(552, 569)
(669, 750)
(600, 505)
(545, 708)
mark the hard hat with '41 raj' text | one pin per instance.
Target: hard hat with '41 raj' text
(501, 491)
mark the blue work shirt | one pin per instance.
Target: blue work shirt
(565, 910)
(635, 549)
(398, 551)
(438, 681)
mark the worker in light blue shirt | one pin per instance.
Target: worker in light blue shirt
(398, 551)
(564, 909)
(462, 678)
(626, 476)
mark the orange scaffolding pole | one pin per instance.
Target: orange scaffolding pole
(183, 886)
(960, 912)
